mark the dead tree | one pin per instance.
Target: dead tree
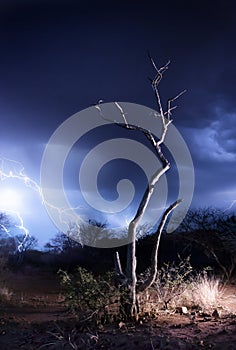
(129, 277)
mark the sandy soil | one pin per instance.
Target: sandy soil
(36, 319)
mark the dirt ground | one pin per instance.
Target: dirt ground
(36, 318)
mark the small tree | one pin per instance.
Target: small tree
(61, 243)
(94, 232)
(129, 277)
(26, 242)
(126, 280)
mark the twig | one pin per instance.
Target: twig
(152, 344)
(170, 100)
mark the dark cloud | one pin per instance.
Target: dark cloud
(58, 57)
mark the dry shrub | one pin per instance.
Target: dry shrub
(172, 281)
(177, 285)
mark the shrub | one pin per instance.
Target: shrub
(178, 285)
(172, 281)
(89, 297)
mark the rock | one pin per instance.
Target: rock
(184, 310)
(121, 324)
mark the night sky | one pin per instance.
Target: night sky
(59, 57)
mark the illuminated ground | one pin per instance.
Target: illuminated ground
(38, 320)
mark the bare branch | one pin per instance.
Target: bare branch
(152, 61)
(118, 268)
(169, 110)
(170, 100)
(177, 96)
(158, 233)
(145, 132)
(160, 70)
(122, 112)
(156, 81)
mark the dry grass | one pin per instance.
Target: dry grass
(5, 294)
(205, 293)
(208, 292)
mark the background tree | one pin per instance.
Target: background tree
(61, 243)
(7, 242)
(26, 242)
(14, 245)
(214, 231)
(95, 232)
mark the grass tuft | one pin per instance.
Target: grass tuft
(207, 292)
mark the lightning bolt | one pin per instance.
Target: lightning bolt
(19, 226)
(5, 229)
(233, 202)
(12, 169)
(16, 172)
